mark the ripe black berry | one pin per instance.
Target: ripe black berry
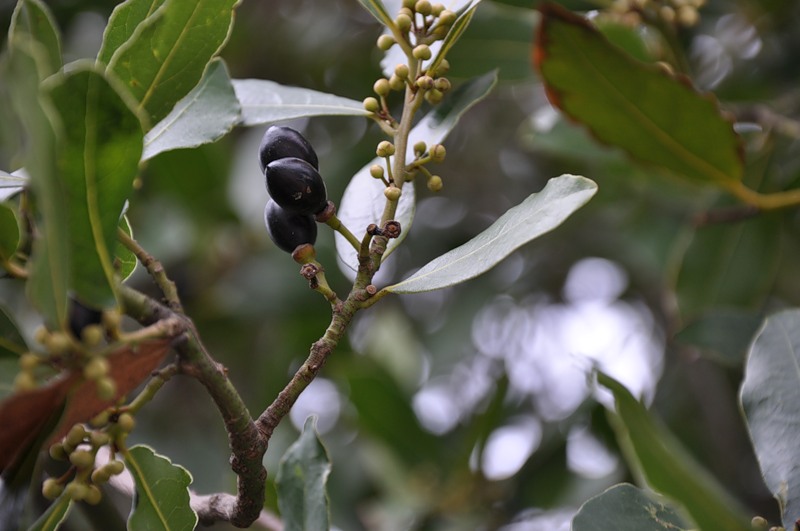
(296, 186)
(288, 230)
(280, 142)
(81, 316)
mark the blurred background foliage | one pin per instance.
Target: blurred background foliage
(469, 408)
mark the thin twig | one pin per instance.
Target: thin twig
(156, 270)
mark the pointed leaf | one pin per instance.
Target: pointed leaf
(667, 467)
(205, 115)
(98, 161)
(302, 475)
(48, 282)
(363, 199)
(265, 102)
(122, 24)
(538, 214)
(33, 18)
(626, 508)
(9, 232)
(125, 261)
(161, 500)
(377, 10)
(167, 53)
(653, 116)
(769, 395)
(456, 30)
(52, 518)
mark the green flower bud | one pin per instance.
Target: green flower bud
(82, 459)
(438, 153)
(446, 18)
(403, 22)
(392, 193)
(434, 183)
(29, 361)
(423, 7)
(436, 9)
(100, 476)
(93, 495)
(396, 83)
(371, 104)
(96, 368)
(401, 71)
(106, 388)
(409, 4)
(58, 343)
(434, 96)
(24, 381)
(58, 452)
(385, 149)
(759, 523)
(99, 438)
(75, 436)
(385, 42)
(442, 84)
(40, 336)
(52, 489)
(422, 52)
(76, 491)
(114, 468)
(420, 148)
(100, 420)
(425, 82)
(382, 87)
(112, 319)
(126, 422)
(443, 68)
(376, 170)
(92, 335)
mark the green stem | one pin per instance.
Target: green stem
(153, 386)
(155, 269)
(336, 224)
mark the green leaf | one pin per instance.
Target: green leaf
(33, 18)
(98, 161)
(122, 24)
(730, 265)
(9, 232)
(161, 500)
(770, 393)
(302, 475)
(48, 283)
(363, 199)
(124, 259)
(12, 345)
(538, 214)
(722, 335)
(167, 53)
(265, 102)
(52, 518)
(455, 32)
(626, 508)
(667, 467)
(206, 114)
(377, 10)
(650, 114)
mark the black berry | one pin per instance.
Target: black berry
(280, 142)
(81, 316)
(296, 186)
(288, 230)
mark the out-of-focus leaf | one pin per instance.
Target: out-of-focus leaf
(377, 10)
(722, 335)
(167, 53)
(33, 18)
(655, 454)
(626, 508)
(363, 199)
(49, 279)
(729, 265)
(125, 261)
(769, 395)
(653, 116)
(12, 345)
(98, 161)
(161, 501)
(538, 214)
(52, 518)
(206, 114)
(301, 482)
(265, 102)
(122, 23)
(9, 232)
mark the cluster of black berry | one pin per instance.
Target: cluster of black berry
(297, 191)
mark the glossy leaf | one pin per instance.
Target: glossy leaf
(166, 55)
(377, 10)
(98, 161)
(655, 117)
(729, 265)
(627, 508)
(655, 454)
(538, 214)
(125, 261)
(9, 232)
(205, 115)
(363, 199)
(301, 482)
(265, 102)
(52, 518)
(770, 392)
(161, 500)
(722, 335)
(48, 282)
(33, 18)
(122, 24)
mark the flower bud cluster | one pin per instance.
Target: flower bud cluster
(679, 13)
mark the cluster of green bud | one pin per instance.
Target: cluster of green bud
(682, 13)
(427, 21)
